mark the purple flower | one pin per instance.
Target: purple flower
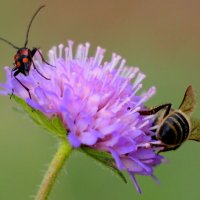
(97, 102)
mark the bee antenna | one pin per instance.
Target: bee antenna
(30, 23)
(11, 44)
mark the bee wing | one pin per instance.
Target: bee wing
(195, 132)
(189, 101)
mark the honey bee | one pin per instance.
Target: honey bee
(175, 126)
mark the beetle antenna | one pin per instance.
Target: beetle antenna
(11, 44)
(30, 23)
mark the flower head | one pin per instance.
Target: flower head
(97, 102)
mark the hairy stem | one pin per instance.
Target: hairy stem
(55, 167)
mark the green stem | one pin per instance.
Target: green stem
(55, 166)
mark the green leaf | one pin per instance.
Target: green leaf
(53, 124)
(105, 159)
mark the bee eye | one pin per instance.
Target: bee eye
(25, 60)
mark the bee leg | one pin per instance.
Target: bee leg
(151, 144)
(40, 72)
(15, 74)
(154, 110)
(168, 149)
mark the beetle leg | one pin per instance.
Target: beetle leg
(13, 70)
(12, 94)
(43, 60)
(27, 89)
(39, 72)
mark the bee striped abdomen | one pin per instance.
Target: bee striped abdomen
(174, 130)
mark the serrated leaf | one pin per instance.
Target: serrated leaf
(105, 159)
(53, 124)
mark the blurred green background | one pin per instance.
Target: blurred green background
(162, 37)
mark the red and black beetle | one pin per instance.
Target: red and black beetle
(24, 56)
